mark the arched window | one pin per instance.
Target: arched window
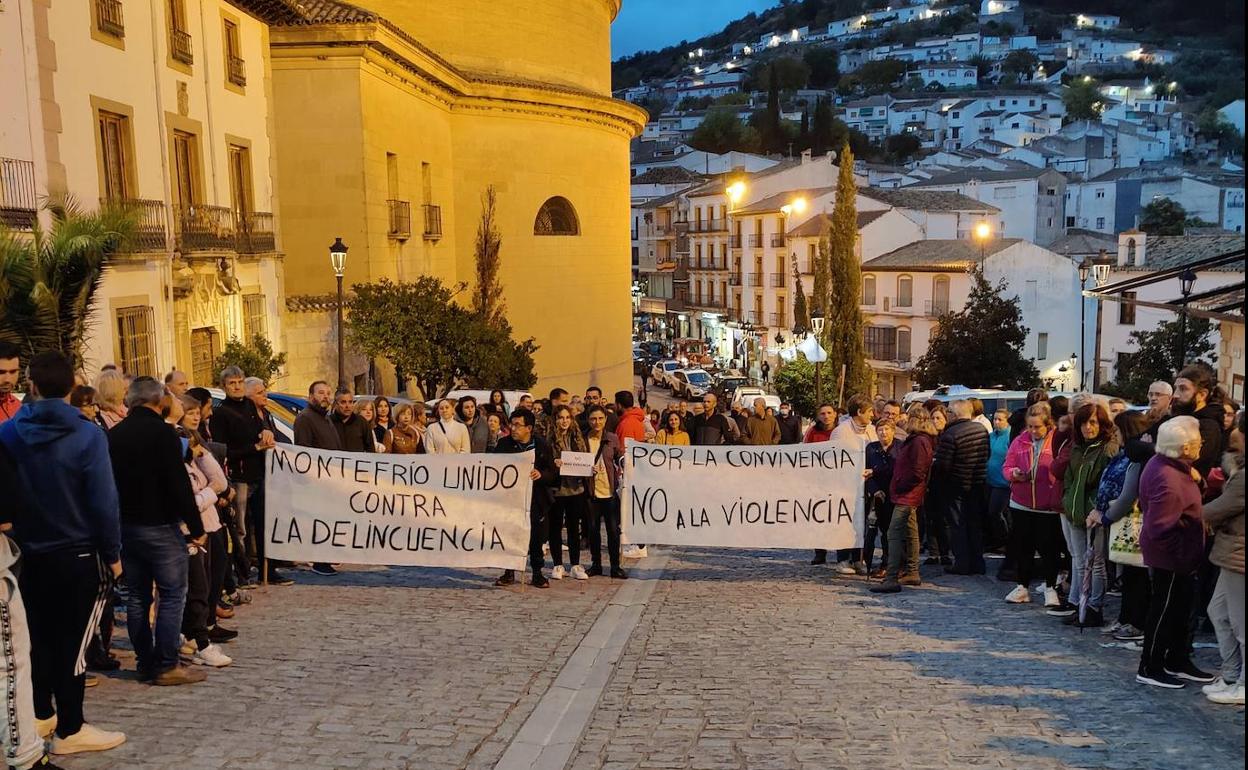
(868, 290)
(905, 291)
(556, 217)
(1130, 251)
(940, 295)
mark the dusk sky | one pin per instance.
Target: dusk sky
(653, 24)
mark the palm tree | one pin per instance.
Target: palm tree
(49, 278)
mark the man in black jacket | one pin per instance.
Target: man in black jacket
(961, 464)
(157, 507)
(246, 435)
(545, 475)
(314, 429)
(354, 433)
(712, 428)
(790, 425)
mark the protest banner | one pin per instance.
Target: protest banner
(798, 496)
(458, 510)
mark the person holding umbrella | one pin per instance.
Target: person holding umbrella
(1095, 443)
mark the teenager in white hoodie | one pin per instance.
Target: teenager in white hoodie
(448, 435)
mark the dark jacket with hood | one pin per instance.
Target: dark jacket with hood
(354, 433)
(64, 495)
(149, 468)
(313, 428)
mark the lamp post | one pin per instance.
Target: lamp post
(338, 260)
(1186, 279)
(983, 231)
(1085, 267)
(816, 322)
(1100, 276)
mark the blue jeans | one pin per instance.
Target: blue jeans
(154, 557)
(1077, 543)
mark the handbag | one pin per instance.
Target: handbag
(1124, 539)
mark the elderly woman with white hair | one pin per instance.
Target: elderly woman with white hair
(1172, 541)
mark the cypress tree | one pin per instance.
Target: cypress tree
(843, 314)
(801, 313)
(773, 136)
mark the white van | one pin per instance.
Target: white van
(745, 396)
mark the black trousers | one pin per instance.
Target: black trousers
(218, 566)
(883, 516)
(1031, 532)
(1135, 596)
(537, 535)
(604, 511)
(1165, 630)
(935, 526)
(195, 615)
(65, 593)
(570, 510)
(966, 524)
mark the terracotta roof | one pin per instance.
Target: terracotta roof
(311, 303)
(813, 227)
(937, 255)
(925, 200)
(1164, 252)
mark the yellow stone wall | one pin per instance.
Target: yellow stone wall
(340, 109)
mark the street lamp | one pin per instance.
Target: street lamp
(1085, 267)
(736, 192)
(1101, 266)
(1186, 279)
(816, 323)
(983, 231)
(338, 260)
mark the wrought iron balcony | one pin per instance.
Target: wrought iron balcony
(935, 307)
(151, 223)
(777, 280)
(433, 222)
(18, 202)
(108, 18)
(238, 70)
(206, 228)
(180, 46)
(777, 240)
(399, 219)
(734, 241)
(754, 279)
(255, 232)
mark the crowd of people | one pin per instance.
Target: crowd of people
(149, 495)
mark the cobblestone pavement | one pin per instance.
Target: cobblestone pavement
(739, 660)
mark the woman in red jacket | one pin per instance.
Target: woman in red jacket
(910, 476)
(1035, 525)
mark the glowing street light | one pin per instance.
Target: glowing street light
(736, 192)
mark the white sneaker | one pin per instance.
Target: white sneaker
(89, 738)
(1217, 685)
(1233, 696)
(45, 727)
(1051, 599)
(1020, 595)
(1113, 628)
(634, 552)
(844, 568)
(557, 573)
(211, 656)
(579, 573)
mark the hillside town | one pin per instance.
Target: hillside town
(1023, 155)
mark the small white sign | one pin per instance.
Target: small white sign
(578, 464)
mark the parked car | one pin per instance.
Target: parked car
(993, 398)
(691, 383)
(745, 395)
(726, 385)
(662, 371)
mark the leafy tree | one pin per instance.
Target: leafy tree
(1154, 357)
(1022, 63)
(983, 65)
(901, 147)
(789, 74)
(824, 63)
(722, 131)
(1083, 100)
(795, 384)
(256, 358)
(653, 105)
(1163, 216)
(49, 278)
(842, 331)
(980, 346)
(487, 295)
(420, 329)
(874, 76)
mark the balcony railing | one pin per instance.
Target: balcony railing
(433, 221)
(108, 18)
(754, 241)
(734, 280)
(238, 70)
(206, 228)
(709, 226)
(734, 241)
(180, 46)
(717, 267)
(777, 280)
(935, 307)
(777, 321)
(151, 223)
(754, 279)
(399, 219)
(708, 302)
(18, 201)
(752, 317)
(777, 240)
(255, 232)
(899, 304)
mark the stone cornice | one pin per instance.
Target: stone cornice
(382, 42)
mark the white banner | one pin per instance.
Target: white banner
(791, 496)
(458, 510)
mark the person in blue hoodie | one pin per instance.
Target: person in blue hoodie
(998, 492)
(67, 524)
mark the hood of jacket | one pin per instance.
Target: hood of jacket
(46, 422)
